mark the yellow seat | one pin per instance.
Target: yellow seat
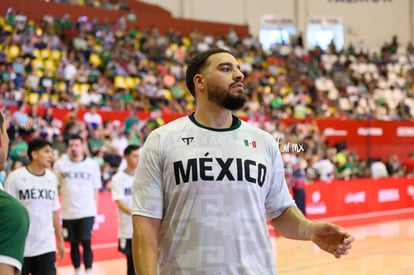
(33, 98)
(119, 82)
(130, 82)
(60, 86)
(95, 59)
(97, 48)
(44, 53)
(36, 53)
(54, 98)
(38, 64)
(80, 88)
(13, 51)
(55, 54)
(50, 65)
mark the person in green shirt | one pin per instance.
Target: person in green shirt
(14, 218)
(131, 120)
(18, 148)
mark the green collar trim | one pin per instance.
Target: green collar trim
(234, 125)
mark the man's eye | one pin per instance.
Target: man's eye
(226, 69)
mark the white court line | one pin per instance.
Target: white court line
(369, 215)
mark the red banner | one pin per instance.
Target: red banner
(342, 202)
(371, 138)
(342, 198)
(368, 138)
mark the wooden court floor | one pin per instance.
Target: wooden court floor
(382, 249)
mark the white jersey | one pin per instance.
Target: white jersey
(78, 182)
(39, 195)
(121, 189)
(214, 190)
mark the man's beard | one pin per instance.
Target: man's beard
(224, 98)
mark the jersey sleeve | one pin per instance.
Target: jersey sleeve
(10, 185)
(116, 188)
(56, 203)
(56, 171)
(97, 180)
(278, 197)
(147, 193)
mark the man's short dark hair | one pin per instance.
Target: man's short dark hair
(35, 145)
(197, 64)
(75, 137)
(130, 148)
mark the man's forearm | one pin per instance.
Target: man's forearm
(145, 245)
(57, 227)
(293, 224)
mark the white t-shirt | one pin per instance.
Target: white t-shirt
(69, 72)
(94, 119)
(40, 196)
(121, 189)
(78, 182)
(119, 143)
(214, 190)
(378, 170)
(325, 169)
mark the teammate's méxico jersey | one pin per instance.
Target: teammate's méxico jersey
(78, 182)
(214, 190)
(121, 188)
(40, 196)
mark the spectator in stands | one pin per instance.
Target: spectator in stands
(378, 169)
(20, 121)
(119, 142)
(93, 119)
(394, 166)
(18, 147)
(95, 142)
(303, 83)
(408, 165)
(297, 182)
(69, 72)
(324, 167)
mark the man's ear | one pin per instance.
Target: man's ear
(199, 81)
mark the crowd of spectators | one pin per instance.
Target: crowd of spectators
(73, 63)
(105, 4)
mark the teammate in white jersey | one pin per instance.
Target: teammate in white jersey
(36, 187)
(79, 182)
(122, 194)
(14, 218)
(206, 184)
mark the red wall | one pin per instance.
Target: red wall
(147, 16)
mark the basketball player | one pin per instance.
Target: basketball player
(35, 186)
(122, 195)
(206, 184)
(79, 181)
(14, 218)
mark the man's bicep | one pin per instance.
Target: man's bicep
(145, 225)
